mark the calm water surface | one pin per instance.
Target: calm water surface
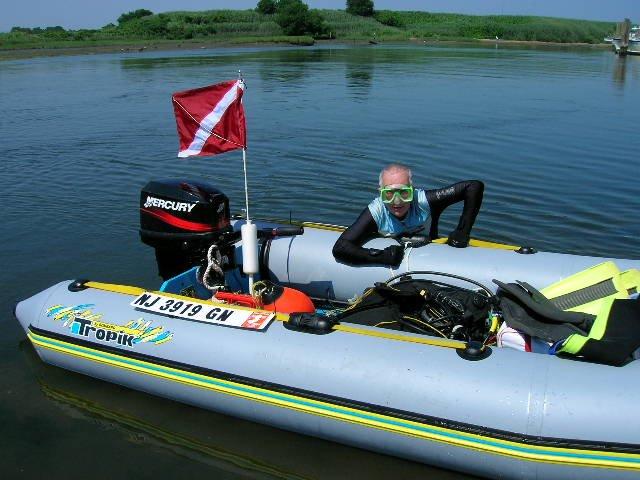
(552, 133)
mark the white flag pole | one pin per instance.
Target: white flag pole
(248, 231)
(246, 188)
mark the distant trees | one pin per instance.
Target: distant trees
(51, 33)
(266, 7)
(295, 18)
(127, 17)
(389, 18)
(38, 30)
(156, 26)
(363, 8)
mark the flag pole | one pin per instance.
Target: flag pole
(249, 231)
(246, 188)
(217, 99)
(244, 163)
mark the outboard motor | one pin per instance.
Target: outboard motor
(181, 219)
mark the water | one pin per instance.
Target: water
(552, 133)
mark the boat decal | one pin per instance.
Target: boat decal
(169, 204)
(178, 222)
(189, 309)
(82, 321)
(480, 438)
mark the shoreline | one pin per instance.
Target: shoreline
(139, 46)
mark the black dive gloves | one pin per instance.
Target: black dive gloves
(470, 192)
(348, 248)
(392, 255)
(458, 239)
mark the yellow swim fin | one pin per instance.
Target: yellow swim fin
(585, 291)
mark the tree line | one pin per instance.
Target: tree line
(293, 21)
(295, 18)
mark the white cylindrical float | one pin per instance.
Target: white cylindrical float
(249, 233)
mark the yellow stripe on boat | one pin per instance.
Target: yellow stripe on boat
(438, 342)
(483, 443)
(481, 244)
(339, 228)
(135, 291)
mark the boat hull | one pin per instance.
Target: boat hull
(396, 396)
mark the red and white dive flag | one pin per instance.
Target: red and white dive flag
(210, 120)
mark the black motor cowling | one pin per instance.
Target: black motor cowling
(181, 219)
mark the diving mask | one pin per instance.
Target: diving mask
(404, 193)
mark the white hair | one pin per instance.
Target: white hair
(395, 166)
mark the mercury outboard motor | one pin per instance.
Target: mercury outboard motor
(181, 219)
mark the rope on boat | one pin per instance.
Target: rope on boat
(214, 261)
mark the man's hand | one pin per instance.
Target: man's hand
(392, 255)
(458, 239)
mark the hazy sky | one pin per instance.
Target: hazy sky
(76, 14)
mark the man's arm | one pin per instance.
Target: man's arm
(469, 191)
(348, 248)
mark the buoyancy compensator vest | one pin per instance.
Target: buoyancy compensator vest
(610, 337)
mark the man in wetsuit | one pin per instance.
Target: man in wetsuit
(402, 210)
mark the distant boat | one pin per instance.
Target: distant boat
(633, 45)
(634, 37)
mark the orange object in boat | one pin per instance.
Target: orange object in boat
(274, 298)
(290, 301)
(243, 299)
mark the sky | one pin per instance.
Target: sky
(75, 14)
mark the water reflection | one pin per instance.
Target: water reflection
(536, 124)
(359, 74)
(152, 427)
(359, 80)
(620, 70)
(289, 67)
(285, 68)
(188, 59)
(139, 431)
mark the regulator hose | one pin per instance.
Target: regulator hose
(490, 294)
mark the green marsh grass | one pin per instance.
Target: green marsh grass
(248, 26)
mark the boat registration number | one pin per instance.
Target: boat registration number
(219, 314)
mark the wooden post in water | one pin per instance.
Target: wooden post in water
(623, 31)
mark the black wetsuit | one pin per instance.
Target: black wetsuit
(348, 248)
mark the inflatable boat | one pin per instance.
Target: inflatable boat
(303, 356)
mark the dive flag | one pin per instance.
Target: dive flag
(210, 120)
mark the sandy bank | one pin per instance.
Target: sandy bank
(140, 47)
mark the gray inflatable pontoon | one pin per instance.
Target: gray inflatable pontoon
(509, 415)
